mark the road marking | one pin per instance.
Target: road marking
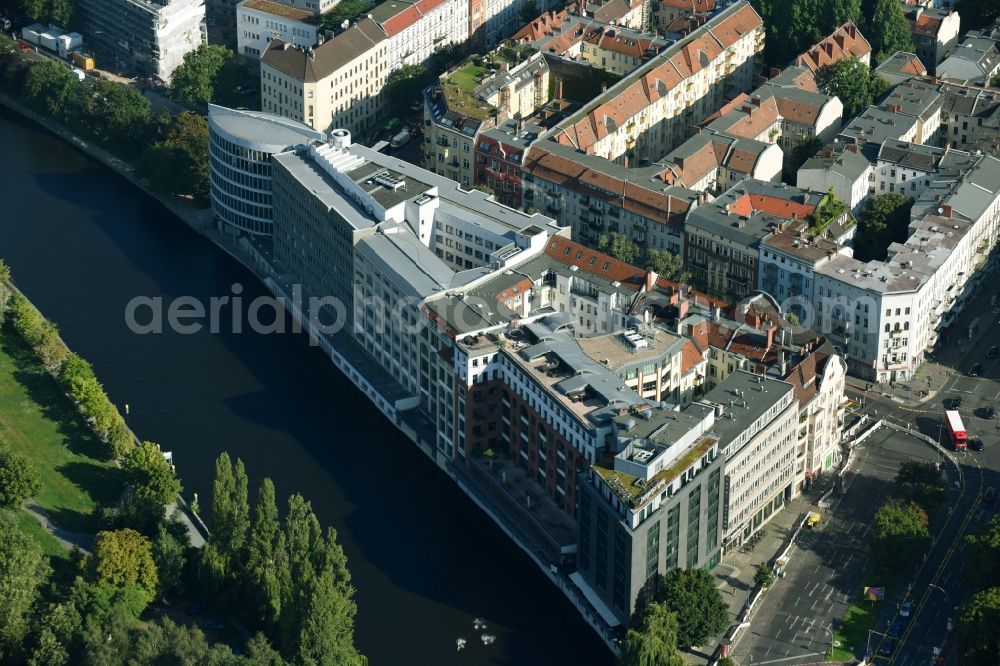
(827, 597)
(797, 600)
(778, 661)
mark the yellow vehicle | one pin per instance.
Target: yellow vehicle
(812, 520)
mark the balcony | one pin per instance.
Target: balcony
(443, 142)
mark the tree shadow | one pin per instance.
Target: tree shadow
(103, 484)
(44, 391)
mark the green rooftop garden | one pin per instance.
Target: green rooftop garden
(458, 87)
(625, 485)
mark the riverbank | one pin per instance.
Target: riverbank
(392, 401)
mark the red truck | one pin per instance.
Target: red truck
(956, 429)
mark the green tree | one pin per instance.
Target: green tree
(792, 318)
(49, 651)
(853, 82)
(23, 570)
(194, 80)
(178, 163)
(984, 554)
(34, 9)
(222, 556)
(763, 577)
(977, 635)
(618, 246)
(48, 84)
(346, 10)
(124, 558)
(149, 473)
(259, 652)
(888, 30)
(899, 531)
(58, 634)
(977, 13)
(726, 661)
(262, 580)
(170, 555)
(921, 483)
(885, 219)
(795, 25)
(405, 84)
(692, 595)
(484, 188)
(667, 265)
(60, 12)
(19, 480)
(327, 634)
(119, 116)
(654, 643)
(5, 289)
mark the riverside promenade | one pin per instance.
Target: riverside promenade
(386, 394)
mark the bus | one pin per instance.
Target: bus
(956, 429)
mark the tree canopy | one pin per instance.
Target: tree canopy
(853, 82)
(178, 162)
(654, 642)
(888, 30)
(23, 570)
(899, 531)
(921, 483)
(692, 595)
(976, 633)
(619, 246)
(885, 220)
(795, 25)
(984, 554)
(667, 264)
(124, 558)
(210, 73)
(977, 13)
(149, 473)
(18, 478)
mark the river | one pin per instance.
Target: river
(82, 242)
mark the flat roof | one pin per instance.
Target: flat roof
(759, 394)
(282, 10)
(267, 132)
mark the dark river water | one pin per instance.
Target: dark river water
(82, 242)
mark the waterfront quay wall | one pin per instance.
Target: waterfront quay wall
(381, 390)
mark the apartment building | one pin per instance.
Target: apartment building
(886, 316)
(909, 168)
(970, 118)
(463, 105)
(260, 21)
(723, 237)
(609, 47)
(819, 390)
(225, 25)
(901, 66)
(597, 197)
(145, 38)
(842, 168)
(712, 161)
(975, 61)
(500, 155)
(338, 84)
(935, 33)
(647, 114)
(843, 43)
(415, 29)
(664, 13)
(492, 21)
(805, 112)
(656, 505)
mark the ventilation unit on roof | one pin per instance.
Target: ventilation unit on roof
(389, 181)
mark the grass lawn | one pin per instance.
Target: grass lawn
(26, 523)
(467, 77)
(853, 632)
(36, 419)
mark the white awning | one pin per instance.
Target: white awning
(594, 600)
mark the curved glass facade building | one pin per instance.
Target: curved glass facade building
(240, 147)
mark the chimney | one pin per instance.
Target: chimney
(651, 278)
(625, 161)
(946, 210)
(770, 335)
(682, 308)
(604, 87)
(699, 333)
(559, 89)
(782, 363)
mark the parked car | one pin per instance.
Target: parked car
(906, 608)
(991, 494)
(975, 370)
(953, 403)
(993, 352)
(975, 444)
(887, 647)
(897, 628)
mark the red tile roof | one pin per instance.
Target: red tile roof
(655, 84)
(546, 24)
(401, 21)
(634, 198)
(776, 206)
(693, 6)
(690, 357)
(842, 43)
(573, 254)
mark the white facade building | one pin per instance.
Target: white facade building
(260, 21)
(844, 169)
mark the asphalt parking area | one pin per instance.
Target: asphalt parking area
(795, 621)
